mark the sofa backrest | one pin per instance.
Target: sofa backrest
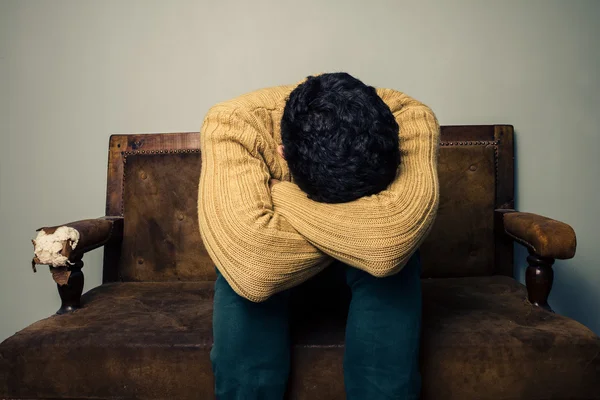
(153, 184)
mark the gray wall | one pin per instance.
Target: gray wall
(73, 72)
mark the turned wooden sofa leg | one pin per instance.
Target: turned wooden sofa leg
(539, 278)
(70, 293)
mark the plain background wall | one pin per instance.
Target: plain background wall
(74, 72)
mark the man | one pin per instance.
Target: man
(330, 172)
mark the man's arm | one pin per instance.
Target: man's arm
(254, 247)
(379, 233)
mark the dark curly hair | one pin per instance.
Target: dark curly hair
(340, 139)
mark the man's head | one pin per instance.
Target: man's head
(340, 139)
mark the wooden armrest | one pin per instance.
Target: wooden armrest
(62, 248)
(63, 245)
(543, 236)
(547, 240)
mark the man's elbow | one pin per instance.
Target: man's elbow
(385, 272)
(251, 288)
(382, 269)
(258, 296)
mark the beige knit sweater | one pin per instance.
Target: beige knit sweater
(265, 241)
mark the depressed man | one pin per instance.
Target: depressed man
(326, 177)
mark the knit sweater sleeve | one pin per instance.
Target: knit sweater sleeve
(378, 233)
(258, 252)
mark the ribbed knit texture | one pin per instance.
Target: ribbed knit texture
(266, 241)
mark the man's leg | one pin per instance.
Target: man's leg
(251, 351)
(383, 335)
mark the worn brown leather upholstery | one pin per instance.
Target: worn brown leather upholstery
(466, 174)
(159, 207)
(152, 340)
(146, 332)
(543, 236)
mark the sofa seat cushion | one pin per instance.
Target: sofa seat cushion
(129, 340)
(481, 340)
